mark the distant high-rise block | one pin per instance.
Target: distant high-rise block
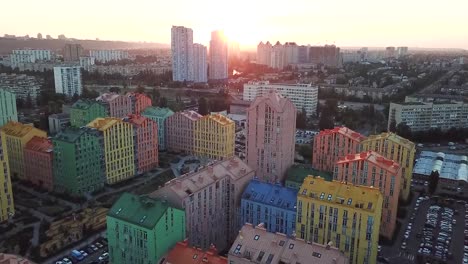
(271, 130)
(8, 111)
(218, 56)
(277, 56)
(84, 111)
(72, 52)
(29, 56)
(109, 55)
(264, 53)
(179, 131)
(328, 55)
(214, 137)
(159, 115)
(68, 80)
(7, 207)
(200, 66)
(38, 156)
(390, 52)
(182, 54)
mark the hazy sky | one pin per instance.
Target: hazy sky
(415, 23)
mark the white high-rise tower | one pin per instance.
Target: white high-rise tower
(218, 56)
(182, 53)
(199, 63)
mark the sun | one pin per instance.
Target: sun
(241, 31)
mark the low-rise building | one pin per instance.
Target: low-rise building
(84, 111)
(256, 245)
(58, 122)
(180, 129)
(159, 115)
(38, 156)
(183, 253)
(145, 138)
(215, 137)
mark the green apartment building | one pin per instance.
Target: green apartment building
(140, 230)
(159, 115)
(8, 111)
(78, 161)
(84, 111)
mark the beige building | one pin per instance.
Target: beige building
(180, 131)
(256, 245)
(211, 200)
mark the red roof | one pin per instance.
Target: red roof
(182, 253)
(136, 119)
(344, 131)
(373, 157)
(39, 144)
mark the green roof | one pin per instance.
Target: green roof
(297, 173)
(69, 134)
(138, 210)
(158, 111)
(83, 104)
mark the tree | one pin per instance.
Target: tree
(403, 130)
(163, 102)
(392, 127)
(140, 89)
(331, 106)
(326, 121)
(433, 182)
(301, 120)
(202, 106)
(155, 95)
(19, 103)
(114, 90)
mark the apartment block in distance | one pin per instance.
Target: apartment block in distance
(160, 115)
(72, 52)
(214, 137)
(180, 129)
(68, 80)
(7, 207)
(396, 148)
(218, 56)
(342, 215)
(331, 144)
(211, 199)
(145, 138)
(117, 142)
(8, 111)
(16, 137)
(183, 253)
(108, 55)
(78, 161)
(182, 54)
(303, 96)
(256, 245)
(372, 169)
(271, 205)
(38, 156)
(25, 87)
(84, 111)
(271, 128)
(142, 230)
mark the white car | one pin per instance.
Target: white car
(104, 256)
(83, 253)
(67, 261)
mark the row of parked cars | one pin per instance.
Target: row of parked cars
(78, 255)
(465, 249)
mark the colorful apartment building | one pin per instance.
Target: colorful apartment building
(331, 144)
(7, 207)
(396, 148)
(297, 173)
(78, 161)
(372, 169)
(270, 137)
(38, 157)
(145, 141)
(269, 204)
(159, 115)
(84, 111)
(214, 137)
(180, 129)
(257, 245)
(142, 230)
(16, 136)
(183, 253)
(139, 102)
(8, 111)
(123, 105)
(342, 215)
(211, 199)
(13, 259)
(116, 137)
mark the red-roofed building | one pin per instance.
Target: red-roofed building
(182, 253)
(331, 144)
(38, 156)
(372, 169)
(145, 137)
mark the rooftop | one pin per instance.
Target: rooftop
(343, 131)
(336, 192)
(297, 173)
(60, 116)
(220, 119)
(273, 99)
(69, 134)
(104, 123)
(17, 129)
(372, 157)
(392, 137)
(259, 246)
(271, 194)
(83, 104)
(107, 97)
(182, 253)
(138, 210)
(267, 83)
(39, 144)
(453, 167)
(13, 259)
(135, 119)
(192, 115)
(158, 111)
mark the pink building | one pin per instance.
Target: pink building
(331, 144)
(372, 169)
(271, 130)
(179, 131)
(146, 142)
(38, 156)
(122, 105)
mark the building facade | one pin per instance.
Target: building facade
(200, 65)
(16, 137)
(271, 205)
(277, 56)
(328, 55)
(84, 111)
(25, 87)
(179, 132)
(7, 207)
(159, 115)
(396, 148)
(38, 157)
(270, 136)
(256, 245)
(87, 63)
(116, 139)
(68, 80)
(78, 161)
(264, 53)
(145, 138)
(214, 137)
(109, 55)
(303, 96)
(139, 102)
(331, 144)
(72, 52)
(58, 122)
(218, 56)
(29, 55)
(182, 53)
(342, 215)
(8, 111)
(142, 230)
(372, 169)
(211, 199)
(117, 105)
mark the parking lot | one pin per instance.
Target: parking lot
(95, 252)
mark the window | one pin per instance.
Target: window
(291, 246)
(304, 192)
(195, 256)
(322, 195)
(281, 243)
(350, 200)
(369, 206)
(329, 197)
(256, 237)
(260, 256)
(316, 254)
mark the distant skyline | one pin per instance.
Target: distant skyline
(415, 23)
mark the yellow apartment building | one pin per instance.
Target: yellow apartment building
(214, 137)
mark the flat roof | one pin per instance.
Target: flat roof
(449, 166)
(271, 195)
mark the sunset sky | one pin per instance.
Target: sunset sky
(372, 23)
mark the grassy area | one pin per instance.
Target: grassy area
(53, 211)
(154, 183)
